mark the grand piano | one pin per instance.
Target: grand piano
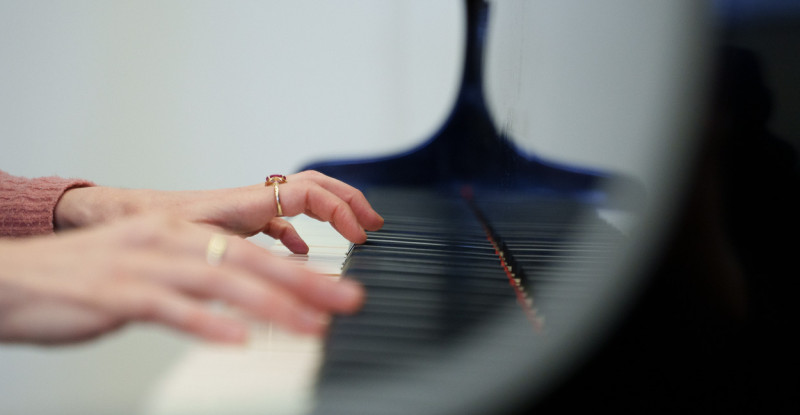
(477, 234)
(505, 283)
(500, 284)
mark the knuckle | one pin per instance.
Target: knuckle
(313, 174)
(339, 210)
(357, 194)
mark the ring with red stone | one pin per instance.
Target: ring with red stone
(275, 180)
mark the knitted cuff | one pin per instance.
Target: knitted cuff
(27, 206)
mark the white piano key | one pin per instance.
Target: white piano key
(327, 249)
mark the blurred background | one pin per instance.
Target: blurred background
(185, 94)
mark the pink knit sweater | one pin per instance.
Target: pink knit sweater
(27, 205)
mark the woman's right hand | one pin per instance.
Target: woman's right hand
(77, 285)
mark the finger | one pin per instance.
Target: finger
(284, 231)
(314, 289)
(140, 301)
(314, 200)
(240, 289)
(365, 214)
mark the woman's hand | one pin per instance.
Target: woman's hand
(244, 211)
(77, 285)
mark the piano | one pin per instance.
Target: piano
(502, 283)
(477, 234)
(485, 249)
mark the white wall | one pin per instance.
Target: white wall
(198, 94)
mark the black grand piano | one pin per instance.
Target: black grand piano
(496, 286)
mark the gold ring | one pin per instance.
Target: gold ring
(275, 180)
(216, 248)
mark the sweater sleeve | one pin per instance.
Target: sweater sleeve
(27, 205)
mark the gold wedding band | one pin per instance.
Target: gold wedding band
(275, 180)
(217, 246)
(278, 199)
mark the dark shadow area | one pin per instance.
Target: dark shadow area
(713, 332)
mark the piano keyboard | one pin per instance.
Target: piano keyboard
(444, 266)
(441, 268)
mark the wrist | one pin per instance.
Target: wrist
(71, 210)
(87, 206)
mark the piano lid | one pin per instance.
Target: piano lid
(469, 149)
